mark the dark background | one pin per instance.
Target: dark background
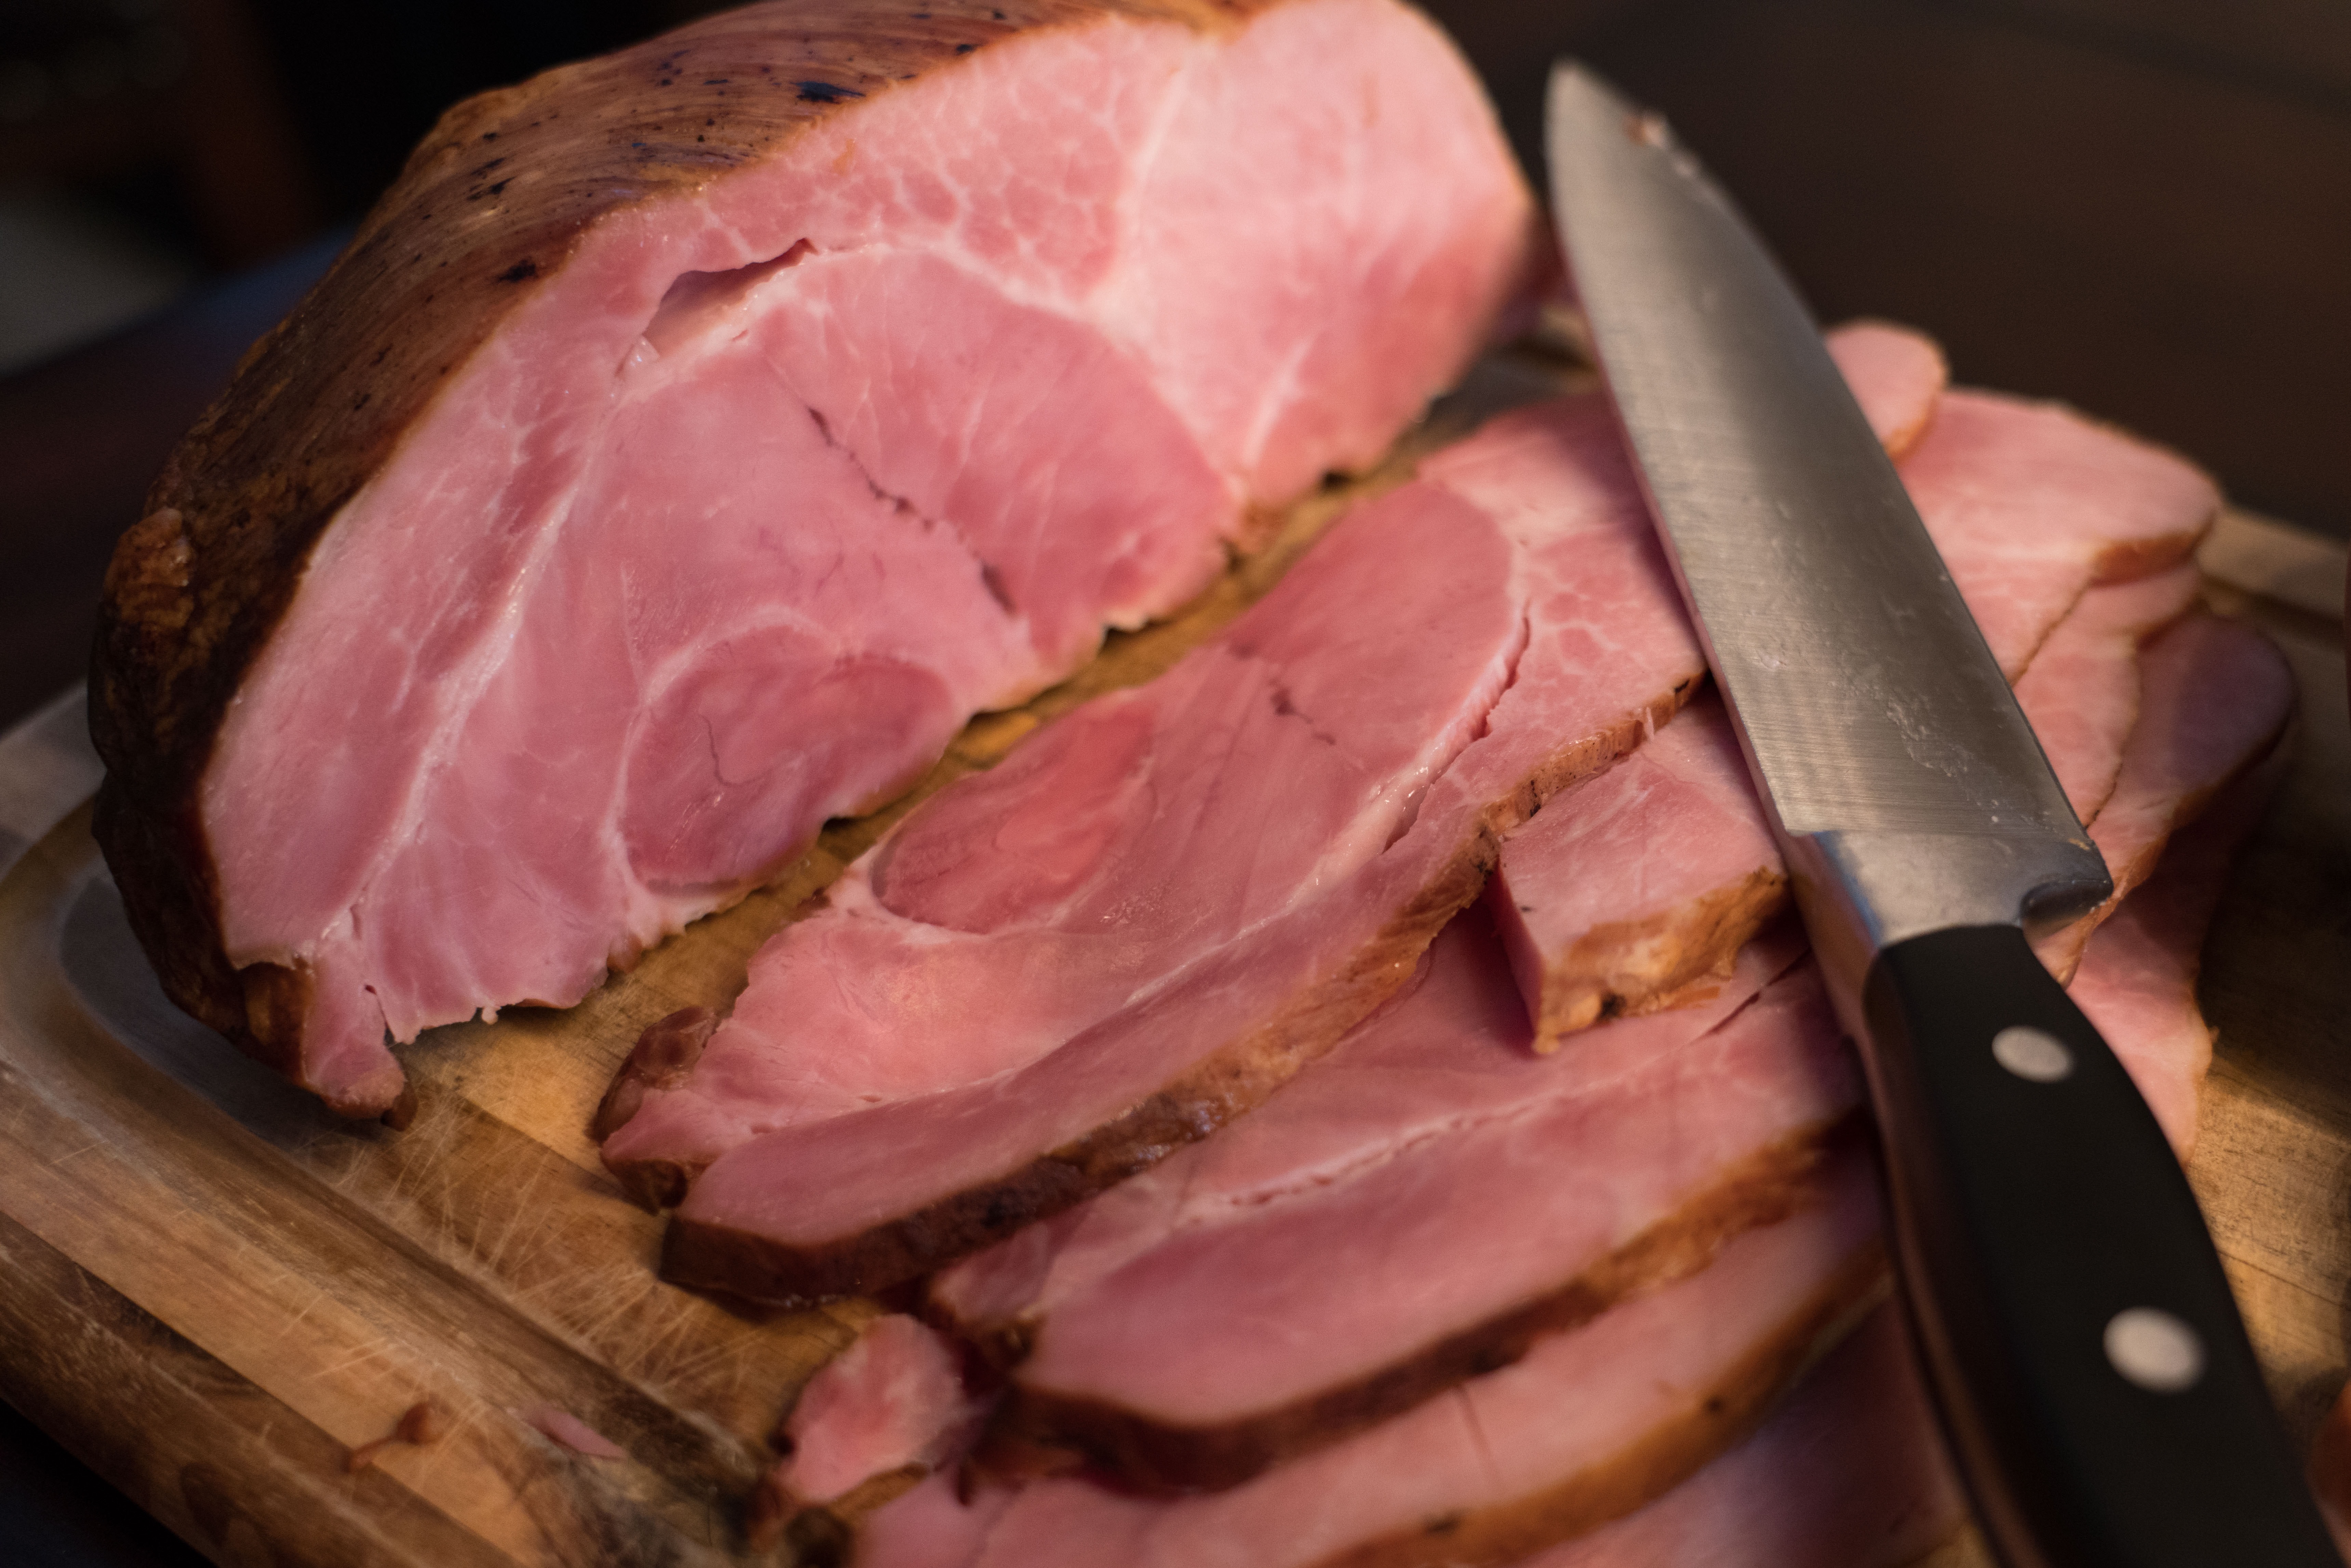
(2143, 206)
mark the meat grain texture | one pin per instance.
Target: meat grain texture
(694, 437)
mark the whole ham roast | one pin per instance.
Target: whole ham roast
(691, 439)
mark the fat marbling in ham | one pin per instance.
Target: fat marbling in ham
(694, 437)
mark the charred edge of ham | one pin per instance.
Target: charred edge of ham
(1036, 1432)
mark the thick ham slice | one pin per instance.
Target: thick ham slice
(1691, 873)
(693, 438)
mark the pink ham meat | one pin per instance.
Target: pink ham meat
(1691, 873)
(1592, 1425)
(2030, 503)
(695, 437)
(1250, 1320)
(2030, 507)
(1047, 978)
(1186, 891)
(893, 1400)
(1850, 1472)
(2215, 697)
(2081, 693)
(1491, 1198)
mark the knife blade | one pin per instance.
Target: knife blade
(2092, 1377)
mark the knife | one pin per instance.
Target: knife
(2086, 1359)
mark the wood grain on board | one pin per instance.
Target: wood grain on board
(215, 1291)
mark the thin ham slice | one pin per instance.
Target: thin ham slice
(693, 438)
(2030, 503)
(2081, 693)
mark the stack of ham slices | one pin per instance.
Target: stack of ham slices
(1555, 1173)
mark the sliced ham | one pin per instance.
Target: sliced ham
(1248, 1328)
(1593, 1425)
(1046, 978)
(893, 1400)
(1588, 1427)
(2081, 693)
(2030, 507)
(693, 438)
(2216, 696)
(1850, 1471)
(1431, 1196)
(2030, 503)
(1635, 892)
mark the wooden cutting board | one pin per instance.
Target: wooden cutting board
(214, 1291)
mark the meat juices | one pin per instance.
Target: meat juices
(695, 437)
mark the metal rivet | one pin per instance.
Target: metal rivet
(2155, 1350)
(2029, 1053)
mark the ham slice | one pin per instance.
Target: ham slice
(1245, 1327)
(892, 1400)
(2216, 698)
(693, 438)
(1691, 873)
(1046, 978)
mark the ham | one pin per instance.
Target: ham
(2217, 697)
(2012, 495)
(1691, 873)
(694, 437)
(1576, 1442)
(1430, 1198)
(1850, 1472)
(1248, 1326)
(1167, 903)
(893, 1400)
(1589, 1425)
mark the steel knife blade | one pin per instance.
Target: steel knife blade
(2094, 1379)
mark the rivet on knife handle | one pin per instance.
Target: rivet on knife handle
(2076, 1329)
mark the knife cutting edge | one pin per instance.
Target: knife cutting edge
(2094, 1379)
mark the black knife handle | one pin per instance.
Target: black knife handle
(2103, 1404)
